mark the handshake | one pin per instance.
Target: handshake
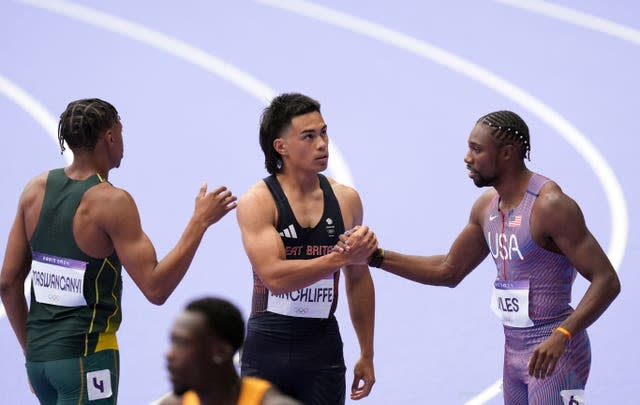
(359, 245)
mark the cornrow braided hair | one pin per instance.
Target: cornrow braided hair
(508, 127)
(83, 121)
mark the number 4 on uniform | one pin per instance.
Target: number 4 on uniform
(99, 384)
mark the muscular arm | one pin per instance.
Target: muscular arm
(467, 251)
(16, 266)
(559, 219)
(256, 217)
(157, 279)
(557, 223)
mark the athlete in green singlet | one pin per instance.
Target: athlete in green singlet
(74, 231)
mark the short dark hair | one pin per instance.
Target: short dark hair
(275, 118)
(508, 127)
(83, 121)
(224, 319)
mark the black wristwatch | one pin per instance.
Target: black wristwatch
(376, 258)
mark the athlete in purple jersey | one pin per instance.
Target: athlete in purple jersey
(538, 238)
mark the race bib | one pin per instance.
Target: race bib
(57, 280)
(313, 301)
(510, 302)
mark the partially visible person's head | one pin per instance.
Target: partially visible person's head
(276, 118)
(508, 128)
(204, 338)
(82, 123)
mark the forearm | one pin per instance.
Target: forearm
(289, 275)
(600, 294)
(422, 269)
(15, 306)
(361, 295)
(169, 271)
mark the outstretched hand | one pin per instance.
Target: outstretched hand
(212, 206)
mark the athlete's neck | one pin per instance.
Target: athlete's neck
(512, 189)
(298, 182)
(222, 390)
(83, 170)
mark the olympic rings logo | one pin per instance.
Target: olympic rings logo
(300, 310)
(54, 298)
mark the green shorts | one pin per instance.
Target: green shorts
(91, 380)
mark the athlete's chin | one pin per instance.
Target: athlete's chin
(479, 182)
(178, 387)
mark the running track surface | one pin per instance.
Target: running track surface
(401, 86)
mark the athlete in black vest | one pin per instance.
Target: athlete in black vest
(290, 223)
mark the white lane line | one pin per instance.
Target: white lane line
(45, 119)
(615, 196)
(578, 18)
(482, 398)
(337, 165)
(35, 109)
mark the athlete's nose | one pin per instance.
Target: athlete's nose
(323, 142)
(467, 157)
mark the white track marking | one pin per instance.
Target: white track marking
(578, 18)
(36, 110)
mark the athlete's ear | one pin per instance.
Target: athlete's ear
(108, 136)
(280, 146)
(508, 151)
(221, 352)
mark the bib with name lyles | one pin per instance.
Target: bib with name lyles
(532, 284)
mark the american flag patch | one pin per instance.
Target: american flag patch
(514, 221)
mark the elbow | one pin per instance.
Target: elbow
(614, 285)
(6, 287)
(156, 297)
(273, 283)
(275, 287)
(608, 285)
(157, 300)
(451, 281)
(450, 278)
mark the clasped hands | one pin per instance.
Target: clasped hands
(359, 243)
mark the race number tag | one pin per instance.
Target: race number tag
(57, 280)
(313, 301)
(99, 384)
(510, 302)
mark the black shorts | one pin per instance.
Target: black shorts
(301, 356)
